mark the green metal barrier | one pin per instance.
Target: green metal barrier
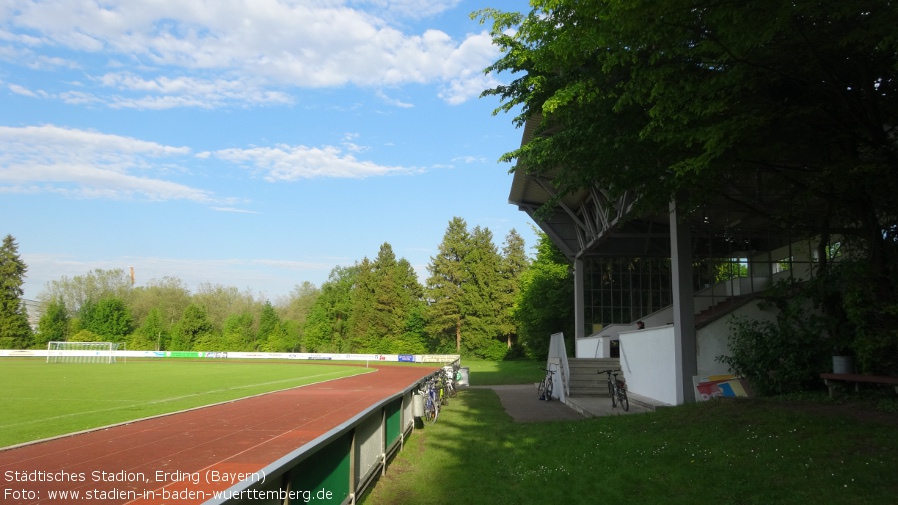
(336, 467)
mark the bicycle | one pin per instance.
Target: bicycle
(617, 390)
(431, 401)
(545, 387)
(448, 379)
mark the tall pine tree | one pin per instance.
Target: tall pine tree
(15, 333)
(463, 292)
(514, 263)
(445, 287)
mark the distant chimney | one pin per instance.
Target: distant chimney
(132, 275)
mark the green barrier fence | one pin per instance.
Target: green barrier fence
(336, 467)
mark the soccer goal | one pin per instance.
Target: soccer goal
(82, 352)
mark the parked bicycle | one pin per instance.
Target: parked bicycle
(545, 387)
(432, 402)
(449, 379)
(617, 390)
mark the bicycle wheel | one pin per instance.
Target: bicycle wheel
(541, 390)
(548, 390)
(622, 397)
(436, 412)
(613, 394)
(428, 411)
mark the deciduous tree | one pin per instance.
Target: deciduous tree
(94, 285)
(326, 329)
(545, 302)
(193, 326)
(53, 324)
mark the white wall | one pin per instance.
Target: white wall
(713, 339)
(648, 364)
(594, 347)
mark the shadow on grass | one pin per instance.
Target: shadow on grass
(495, 373)
(740, 452)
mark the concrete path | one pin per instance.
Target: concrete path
(521, 403)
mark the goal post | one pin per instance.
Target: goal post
(82, 352)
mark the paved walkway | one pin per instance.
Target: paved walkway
(521, 403)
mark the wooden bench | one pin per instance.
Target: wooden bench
(831, 379)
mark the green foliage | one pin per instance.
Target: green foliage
(239, 332)
(371, 307)
(689, 100)
(15, 332)
(86, 336)
(514, 263)
(326, 329)
(466, 292)
(444, 287)
(269, 322)
(110, 318)
(93, 286)
(169, 295)
(297, 305)
(53, 324)
(281, 339)
(222, 301)
(781, 357)
(686, 95)
(151, 335)
(414, 336)
(194, 327)
(545, 302)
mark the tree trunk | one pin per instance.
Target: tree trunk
(458, 336)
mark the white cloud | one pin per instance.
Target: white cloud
(394, 101)
(246, 51)
(232, 209)
(290, 163)
(166, 92)
(21, 90)
(88, 164)
(414, 9)
(470, 159)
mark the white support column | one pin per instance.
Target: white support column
(579, 302)
(683, 307)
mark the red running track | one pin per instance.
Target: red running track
(243, 436)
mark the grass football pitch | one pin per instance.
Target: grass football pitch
(43, 400)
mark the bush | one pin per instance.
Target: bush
(781, 357)
(491, 349)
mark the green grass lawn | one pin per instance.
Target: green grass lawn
(493, 373)
(42, 400)
(723, 452)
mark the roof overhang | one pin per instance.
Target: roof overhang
(590, 222)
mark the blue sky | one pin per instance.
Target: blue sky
(247, 143)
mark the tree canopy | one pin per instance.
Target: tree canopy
(373, 306)
(685, 99)
(786, 109)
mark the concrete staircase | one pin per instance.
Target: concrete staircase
(722, 308)
(585, 379)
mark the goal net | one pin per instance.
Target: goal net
(82, 352)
